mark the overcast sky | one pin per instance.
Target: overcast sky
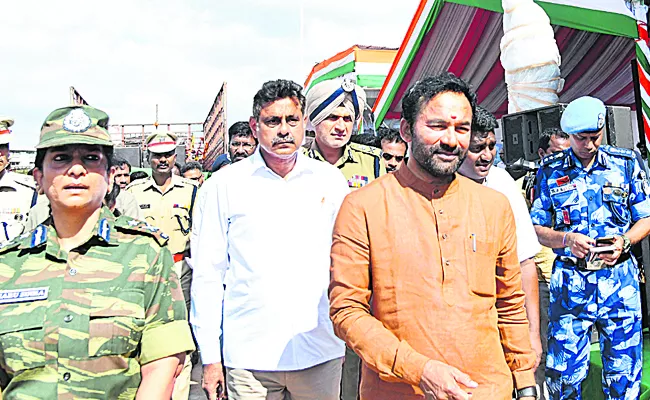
(127, 56)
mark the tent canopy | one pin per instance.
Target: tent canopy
(596, 39)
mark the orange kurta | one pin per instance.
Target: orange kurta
(425, 272)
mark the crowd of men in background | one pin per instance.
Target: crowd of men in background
(413, 296)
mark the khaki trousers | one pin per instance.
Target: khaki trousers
(182, 384)
(320, 382)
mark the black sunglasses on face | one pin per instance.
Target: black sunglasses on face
(388, 157)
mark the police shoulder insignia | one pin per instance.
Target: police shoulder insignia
(77, 121)
(366, 149)
(124, 223)
(189, 181)
(553, 158)
(618, 151)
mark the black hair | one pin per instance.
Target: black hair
(106, 150)
(426, 89)
(111, 197)
(483, 122)
(135, 175)
(240, 129)
(190, 166)
(545, 137)
(389, 135)
(121, 162)
(276, 90)
(365, 138)
(4, 146)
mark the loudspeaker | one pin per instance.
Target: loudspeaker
(521, 131)
(131, 154)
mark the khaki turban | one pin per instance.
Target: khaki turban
(326, 96)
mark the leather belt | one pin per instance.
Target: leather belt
(581, 263)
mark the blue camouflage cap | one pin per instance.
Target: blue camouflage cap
(584, 114)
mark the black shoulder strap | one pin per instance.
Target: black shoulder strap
(195, 189)
(34, 198)
(377, 167)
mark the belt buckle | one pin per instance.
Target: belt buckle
(594, 265)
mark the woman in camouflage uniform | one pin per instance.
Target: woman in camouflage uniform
(89, 305)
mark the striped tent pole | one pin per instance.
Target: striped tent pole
(643, 66)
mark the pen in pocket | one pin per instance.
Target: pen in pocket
(473, 242)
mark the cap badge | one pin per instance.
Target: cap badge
(601, 120)
(77, 121)
(347, 85)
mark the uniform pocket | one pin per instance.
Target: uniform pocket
(481, 269)
(566, 204)
(616, 198)
(21, 336)
(116, 323)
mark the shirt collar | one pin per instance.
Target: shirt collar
(573, 161)
(258, 164)
(348, 154)
(429, 190)
(45, 234)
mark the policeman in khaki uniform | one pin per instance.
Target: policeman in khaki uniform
(17, 192)
(333, 107)
(166, 201)
(90, 307)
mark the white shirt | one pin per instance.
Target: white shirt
(527, 244)
(268, 240)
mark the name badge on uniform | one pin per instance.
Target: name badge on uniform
(563, 189)
(566, 217)
(23, 295)
(145, 206)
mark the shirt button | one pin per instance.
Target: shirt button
(442, 211)
(66, 376)
(444, 236)
(591, 198)
(73, 272)
(447, 262)
(67, 318)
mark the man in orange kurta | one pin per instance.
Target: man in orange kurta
(426, 284)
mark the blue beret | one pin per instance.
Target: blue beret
(585, 114)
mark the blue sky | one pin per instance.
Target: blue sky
(127, 56)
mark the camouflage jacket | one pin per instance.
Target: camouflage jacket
(80, 324)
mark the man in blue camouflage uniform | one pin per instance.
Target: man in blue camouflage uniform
(583, 193)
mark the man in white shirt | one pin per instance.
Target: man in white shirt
(263, 230)
(478, 166)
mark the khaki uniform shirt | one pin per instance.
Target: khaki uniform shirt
(360, 164)
(17, 195)
(545, 258)
(170, 211)
(80, 324)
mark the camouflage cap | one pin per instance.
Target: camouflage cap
(161, 142)
(5, 133)
(75, 125)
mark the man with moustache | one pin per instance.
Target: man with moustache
(429, 294)
(242, 142)
(478, 166)
(333, 107)
(166, 201)
(122, 172)
(251, 235)
(393, 149)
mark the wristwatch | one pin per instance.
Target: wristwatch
(627, 244)
(530, 391)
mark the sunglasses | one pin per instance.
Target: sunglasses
(388, 157)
